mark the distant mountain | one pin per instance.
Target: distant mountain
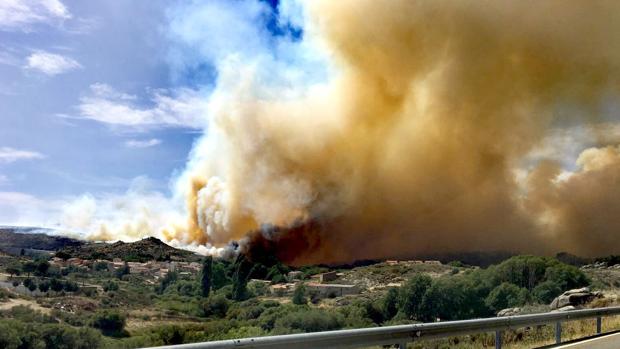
(143, 250)
(13, 239)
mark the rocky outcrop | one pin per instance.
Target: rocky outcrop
(574, 298)
(509, 312)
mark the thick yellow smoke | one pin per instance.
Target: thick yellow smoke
(414, 146)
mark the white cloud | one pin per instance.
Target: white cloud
(51, 63)
(21, 15)
(181, 108)
(134, 143)
(8, 155)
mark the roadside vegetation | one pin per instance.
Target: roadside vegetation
(102, 308)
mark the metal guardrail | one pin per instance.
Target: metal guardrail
(403, 334)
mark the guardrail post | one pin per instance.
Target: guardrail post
(402, 345)
(498, 339)
(598, 325)
(558, 332)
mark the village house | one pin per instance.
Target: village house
(327, 277)
(332, 290)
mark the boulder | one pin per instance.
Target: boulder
(509, 312)
(574, 298)
(566, 308)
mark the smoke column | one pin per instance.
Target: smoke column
(422, 139)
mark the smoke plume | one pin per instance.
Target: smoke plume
(423, 138)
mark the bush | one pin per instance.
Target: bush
(56, 285)
(44, 286)
(506, 295)
(566, 276)
(411, 294)
(545, 292)
(216, 305)
(110, 323)
(390, 303)
(110, 286)
(299, 295)
(308, 320)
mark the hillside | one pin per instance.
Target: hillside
(139, 251)
(15, 238)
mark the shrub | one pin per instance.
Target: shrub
(299, 295)
(216, 305)
(44, 286)
(566, 276)
(390, 303)
(506, 295)
(206, 276)
(110, 323)
(110, 286)
(411, 294)
(308, 320)
(545, 292)
(56, 285)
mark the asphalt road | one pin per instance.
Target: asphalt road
(611, 341)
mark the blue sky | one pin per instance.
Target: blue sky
(97, 94)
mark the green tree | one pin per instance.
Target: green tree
(411, 295)
(390, 303)
(56, 285)
(44, 286)
(506, 295)
(42, 268)
(122, 271)
(216, 305)
(207, 274)
(170, 278)
(9, 338)
(546, 291)
(240, 278)
(29, 267)
(109, 322)
(299, 295)
(566, 276)
(219, 275)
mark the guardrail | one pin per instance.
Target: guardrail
(403, 334)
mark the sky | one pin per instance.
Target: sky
(99, 97)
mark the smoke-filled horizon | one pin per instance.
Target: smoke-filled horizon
(431, 134)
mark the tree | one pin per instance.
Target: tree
(122, 271)
(32, 286)
(170, 278)
(42, 268)
(63, 255)
(70, 286)
(14, 269)
(506, 295)
(412, 293)
(546, 291)
(29, 267)
(390, 303)
(299, 295)
(109, 322)
(56, 285)
(44, 286)
(240, 278)
(219, 275)
(207, 271)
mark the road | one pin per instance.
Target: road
(611, 341)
